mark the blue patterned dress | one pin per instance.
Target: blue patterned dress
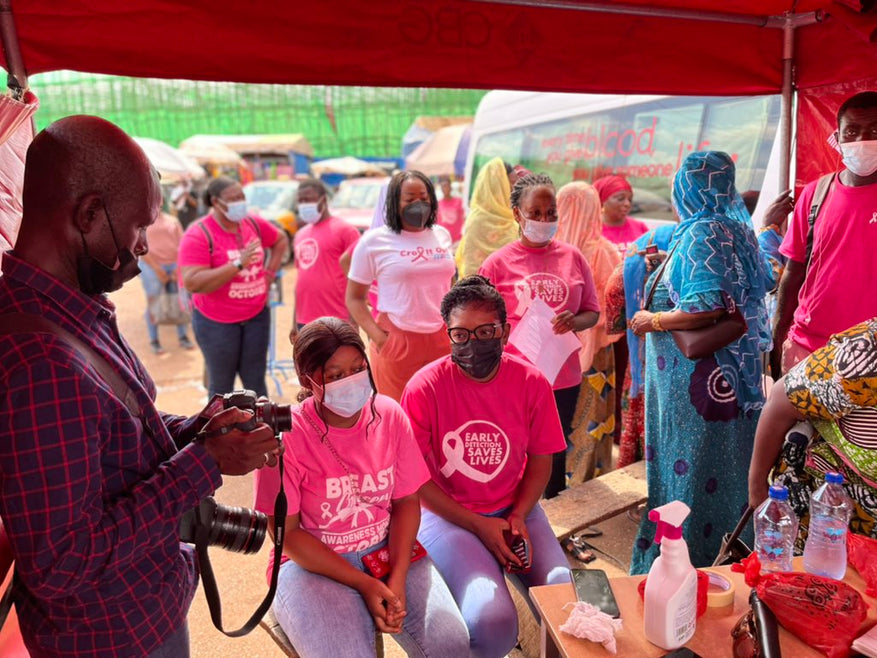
(701, 414)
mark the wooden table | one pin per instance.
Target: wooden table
(711, 640)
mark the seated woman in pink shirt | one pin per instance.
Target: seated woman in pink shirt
(487, 426)
(537, 265)
(352, 473)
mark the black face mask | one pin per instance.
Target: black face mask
(417, 214)
(477, 357)
(96, 278)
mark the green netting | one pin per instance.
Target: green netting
(370, 121)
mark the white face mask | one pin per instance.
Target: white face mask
(539, 232)
(309, 212)
(860, 157)
(236, 211)
(346, 397)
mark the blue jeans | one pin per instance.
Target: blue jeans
(175, 646)
(234, 348)
(478, 583)
(152, 288)
(322, 617)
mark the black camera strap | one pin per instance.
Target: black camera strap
(211, 591)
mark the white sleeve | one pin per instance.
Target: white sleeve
(362, 265)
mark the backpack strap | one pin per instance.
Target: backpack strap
(200, 224)
(256, 227)
(819, 195)
(28, 323)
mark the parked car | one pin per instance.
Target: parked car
(275, 200)
(271, 198)
(355, 200)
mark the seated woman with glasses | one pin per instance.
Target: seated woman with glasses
(487, 426)
(537, 265)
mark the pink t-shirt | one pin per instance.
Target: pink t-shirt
(380, 458)
(163, 237)
(475, 442)
(558, 274)
(450, 215)
(245, 295)
(623, 234)
(839, 289)
(321, 283)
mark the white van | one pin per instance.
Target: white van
(645, 138)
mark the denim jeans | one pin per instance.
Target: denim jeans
(322, 617)
(152, 287)
(234, 348)
(477, 580)
(175, 646)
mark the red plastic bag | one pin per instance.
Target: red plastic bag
(862, 554)
(823, 612)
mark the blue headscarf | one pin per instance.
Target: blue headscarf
(635, 276)
(717, 263)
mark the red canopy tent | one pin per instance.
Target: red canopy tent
(823, 49)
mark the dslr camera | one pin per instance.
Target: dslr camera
(236, 529)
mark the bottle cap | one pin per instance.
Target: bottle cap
(834, 478)
(778, 492)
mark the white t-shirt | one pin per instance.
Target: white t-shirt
(413, 270)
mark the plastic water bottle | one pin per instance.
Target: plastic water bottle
(825, 553)
(776, 527)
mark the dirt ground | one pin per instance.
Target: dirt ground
(178, 375)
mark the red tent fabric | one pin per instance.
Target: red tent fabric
(494, 44)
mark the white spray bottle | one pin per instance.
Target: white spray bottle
(670, 606)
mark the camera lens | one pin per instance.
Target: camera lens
(276, 416)
(238, 529)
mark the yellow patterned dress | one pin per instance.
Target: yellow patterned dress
(835, 388)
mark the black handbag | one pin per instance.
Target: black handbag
(704, 341)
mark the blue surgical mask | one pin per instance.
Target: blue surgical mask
(539, 232)
(309, 212)
(235, 211)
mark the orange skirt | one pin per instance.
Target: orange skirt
(404, 353)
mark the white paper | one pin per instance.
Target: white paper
(534, 337)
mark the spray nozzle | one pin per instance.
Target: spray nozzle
(669, 518)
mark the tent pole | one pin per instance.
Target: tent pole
(786, 103)
(641, 10)
(17, 78)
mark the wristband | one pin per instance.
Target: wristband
(765, 229)
(656, 321)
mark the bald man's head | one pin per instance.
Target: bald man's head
(81, 155)
(88, 189)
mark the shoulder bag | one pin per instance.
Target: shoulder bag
(704, 341)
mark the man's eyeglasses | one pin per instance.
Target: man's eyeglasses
(461, 335)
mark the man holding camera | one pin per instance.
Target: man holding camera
(93, 478)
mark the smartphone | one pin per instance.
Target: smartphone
(521, 548)
(592, 586)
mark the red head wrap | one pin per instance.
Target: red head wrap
(606, 186)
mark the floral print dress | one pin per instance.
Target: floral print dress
(835, 388)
